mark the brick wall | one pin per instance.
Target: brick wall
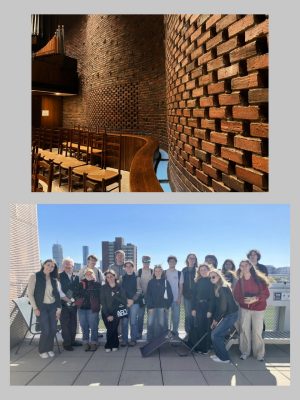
(24, 259)
(217, 102)
(121, 64)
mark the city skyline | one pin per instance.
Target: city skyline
(158, 230)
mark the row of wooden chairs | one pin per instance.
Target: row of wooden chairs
(81, 143)
(94, 177)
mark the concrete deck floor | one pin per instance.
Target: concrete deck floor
(162, 367)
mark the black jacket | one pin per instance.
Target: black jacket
(111, 298)
(68, 286)
(129, 284)
(224, 304)
(155, 294)
(40, 287)
(203, 291)
(88, 293)
(188, 282)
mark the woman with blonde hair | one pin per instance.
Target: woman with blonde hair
(202, 307)
(224, 316)
(87, 298)
(251, 292)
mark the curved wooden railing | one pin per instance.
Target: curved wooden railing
(142, 176)
(138, 154)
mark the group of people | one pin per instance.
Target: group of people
(214, 302)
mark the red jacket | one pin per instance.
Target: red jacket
(249, 288)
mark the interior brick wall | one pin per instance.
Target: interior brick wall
(121, 65)
(217, 102)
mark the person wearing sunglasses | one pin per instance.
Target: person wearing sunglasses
(224, 316)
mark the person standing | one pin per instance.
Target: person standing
(212, 260)
(228, 270)
(68, 317)
(112, 296)
(225, 315)
(118, 265)
(187, 282)
(173, 277)
(251, 292)
(202, 307)
(91, 264)
(87, 296)
(144, 276)
(133, 290)
(44, 298)
(158, 300)
(254, 256)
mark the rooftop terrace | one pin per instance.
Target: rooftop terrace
(163, 367)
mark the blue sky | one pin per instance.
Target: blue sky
(158, 230)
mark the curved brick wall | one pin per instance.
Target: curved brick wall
(217, 102)
(121, 63)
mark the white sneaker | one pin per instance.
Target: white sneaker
(217, 359)
(44, 355)
(213, 356)
(108, 350)
(115, 349)
(51, 354)
(243, 356)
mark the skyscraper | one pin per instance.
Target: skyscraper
(57, 254)
(109, 248)
(85, 253)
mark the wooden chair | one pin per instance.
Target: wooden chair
(32, 326)
(100, 179)
(42, 171)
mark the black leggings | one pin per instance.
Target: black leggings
(112, 340)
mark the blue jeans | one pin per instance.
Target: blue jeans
(157, 322)
(141, 315)
(218, 335)
(133, 312)
(89, 322)
(175, 316)
(48, 327)
(188, 319)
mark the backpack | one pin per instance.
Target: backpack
(141, 270)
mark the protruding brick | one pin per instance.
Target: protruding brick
(220, 163)
(209, 147)
(259, 129)
(219, 186)
(252, 176)
(232, 126)
(247, 143)
(260, 163)
(236, 156)
(250, 112)
(210, 171)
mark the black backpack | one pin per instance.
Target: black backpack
(141, 270)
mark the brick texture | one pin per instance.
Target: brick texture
(217, 71)
(121, 65)
(24, 260)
